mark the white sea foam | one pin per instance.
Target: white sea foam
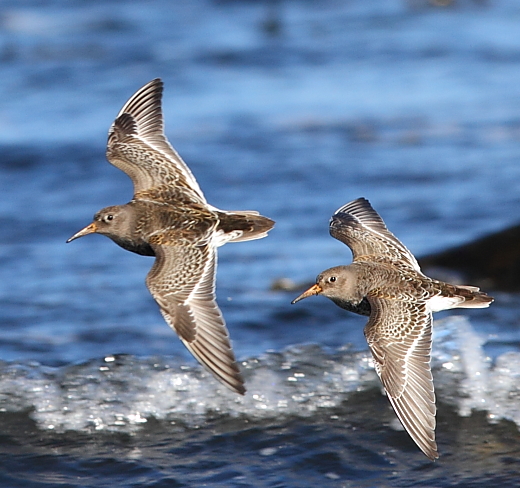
(122, 393)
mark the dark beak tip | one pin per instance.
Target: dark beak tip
(73, 238)
(89, 229)
(297, 299)
(313, 290)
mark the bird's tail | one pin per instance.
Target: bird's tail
(243, 225)
(473, 297)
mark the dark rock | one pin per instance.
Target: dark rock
(492, 261)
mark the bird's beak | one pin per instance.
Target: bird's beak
(89, 229)
(313, 290)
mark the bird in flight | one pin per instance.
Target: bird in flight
(385, 282)
(169, 218)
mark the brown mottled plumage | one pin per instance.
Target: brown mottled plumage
(385, 282)
(170, 219)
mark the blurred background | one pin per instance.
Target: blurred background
(291, 108)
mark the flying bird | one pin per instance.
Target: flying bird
(169, 218)
(385, 282)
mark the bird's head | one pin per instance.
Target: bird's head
(109, 221)
(338, 283)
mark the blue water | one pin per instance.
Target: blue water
(291, 108)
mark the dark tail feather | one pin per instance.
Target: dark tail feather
(474, 298)
(248, 225)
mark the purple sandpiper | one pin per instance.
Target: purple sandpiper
(385, 282)
(169, 218)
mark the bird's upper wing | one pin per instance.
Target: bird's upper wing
(182, 281)
(137, 144)
(399, 334)
(360, 227)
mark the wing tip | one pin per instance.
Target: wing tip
(352, 213)
(422, 435)
(225, 372)
(239, 388)
(145, 103)
(233, 381)
(358, 203)
(432, 454)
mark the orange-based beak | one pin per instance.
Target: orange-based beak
(89, 229)
(313, 290)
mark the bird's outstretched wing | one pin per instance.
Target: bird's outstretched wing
(399, 334)
(137, 144)
(182, 281)
(360, 227)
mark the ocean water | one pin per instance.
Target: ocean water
(291, 108)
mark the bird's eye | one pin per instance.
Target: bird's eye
(332, 279)
(109, 217)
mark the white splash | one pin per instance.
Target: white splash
(122, 393)
(466, 377)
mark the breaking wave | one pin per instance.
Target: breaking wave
(121, 393)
